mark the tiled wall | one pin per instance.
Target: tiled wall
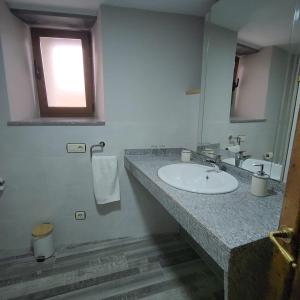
(149, 60)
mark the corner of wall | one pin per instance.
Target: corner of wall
(98, 67)
(15, 41)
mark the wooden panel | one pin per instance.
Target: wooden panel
(42, 230)
(283, 280)
(192, 92)
(292, 213)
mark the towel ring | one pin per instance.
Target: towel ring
(101, 145)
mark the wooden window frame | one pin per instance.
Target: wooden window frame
(85, 37)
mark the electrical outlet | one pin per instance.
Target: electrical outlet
(76, 148)
(80, 215)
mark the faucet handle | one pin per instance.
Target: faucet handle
(261, 171)
(210, 160)
(239, 153)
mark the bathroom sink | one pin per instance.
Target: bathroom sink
(197, 178)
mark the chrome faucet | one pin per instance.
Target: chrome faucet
(215, 164)
(240, 157)
(215, 169)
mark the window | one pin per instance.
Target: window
(64, 72)
(250, 84)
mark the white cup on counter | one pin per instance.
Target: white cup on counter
(186, 155)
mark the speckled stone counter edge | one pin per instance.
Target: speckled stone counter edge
(217, 250)
(240, 265)
(210, 243)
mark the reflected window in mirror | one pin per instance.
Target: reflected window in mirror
(250, 84)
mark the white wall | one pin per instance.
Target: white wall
(18, 71)
(260, 136)
(149, 59)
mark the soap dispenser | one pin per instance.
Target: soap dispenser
(259, 182)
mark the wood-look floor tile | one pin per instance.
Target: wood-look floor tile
(151, 268)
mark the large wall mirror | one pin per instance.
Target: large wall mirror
(250, 83)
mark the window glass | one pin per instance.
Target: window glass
(62, 60)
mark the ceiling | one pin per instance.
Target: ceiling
(189, 7)
(258, 23)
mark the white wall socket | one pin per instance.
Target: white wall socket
(80, 215)
(76, 148)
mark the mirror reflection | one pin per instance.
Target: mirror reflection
(250, 84)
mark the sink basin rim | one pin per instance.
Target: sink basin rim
(201, 186)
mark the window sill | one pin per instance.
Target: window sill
(58, 122)
(237, 120)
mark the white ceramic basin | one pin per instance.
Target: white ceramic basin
(197, 178)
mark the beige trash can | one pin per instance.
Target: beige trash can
(42, 241)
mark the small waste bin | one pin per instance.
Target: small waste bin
(42, 241)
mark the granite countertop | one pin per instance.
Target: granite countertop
(220, 224)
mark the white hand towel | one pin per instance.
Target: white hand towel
(105, 179)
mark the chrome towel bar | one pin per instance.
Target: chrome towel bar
(101, 145)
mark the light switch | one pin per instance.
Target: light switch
(76, 148)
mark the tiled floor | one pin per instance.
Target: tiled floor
(159, 268)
